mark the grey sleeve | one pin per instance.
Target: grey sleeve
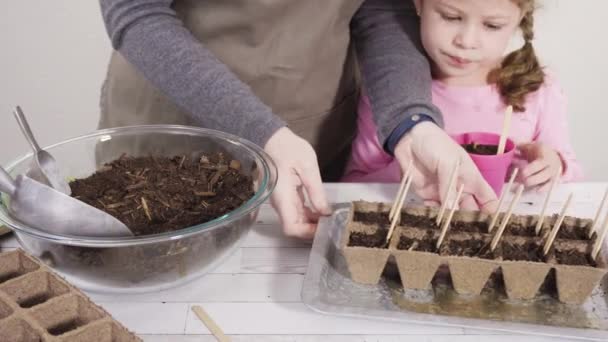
(151, 37)
(396, 73)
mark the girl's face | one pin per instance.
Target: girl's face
(466, 39)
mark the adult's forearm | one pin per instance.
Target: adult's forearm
(152, 38)
(396, 73)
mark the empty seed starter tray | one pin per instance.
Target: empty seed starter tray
(38, 305)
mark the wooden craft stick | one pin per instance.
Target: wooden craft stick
(505, 220)
(397, 217)
(556, 226)
(447, 194)
(396, 201)
(446, 223)
(400, 191)
(506, 127)
(543, 212)
(597, 247)
(210, 324)
(597, 214)
(501, 199)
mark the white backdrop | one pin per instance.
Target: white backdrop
(54, 56)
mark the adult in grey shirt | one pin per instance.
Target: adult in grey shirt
(285, 75)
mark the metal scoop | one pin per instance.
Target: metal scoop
(47, 209)
(45, 167)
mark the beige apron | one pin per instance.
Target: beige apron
(294, 54)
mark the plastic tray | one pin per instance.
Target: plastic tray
(328, 289)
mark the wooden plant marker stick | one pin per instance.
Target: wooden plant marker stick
(505, 220)
(597, 214)
(556, 226)
(210, 324)
(543, 212)
(597, 247)
(400, 191)
(506, 127)
(447, 194)
(397, 216)
(396, 201)
(446, 223)
(502, 199)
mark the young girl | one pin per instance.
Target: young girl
(465, 41)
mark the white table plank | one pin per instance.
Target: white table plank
(271, 235)
(222, 288)
(266, 260)
(297, 319)
(149, 318)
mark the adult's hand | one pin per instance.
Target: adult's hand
(298, 177)
(434, 154)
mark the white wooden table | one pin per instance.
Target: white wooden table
(255, 294)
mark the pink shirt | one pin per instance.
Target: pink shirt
(471, 109)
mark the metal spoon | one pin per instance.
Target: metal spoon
(47, 166)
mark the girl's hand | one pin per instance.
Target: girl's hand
(543, 164)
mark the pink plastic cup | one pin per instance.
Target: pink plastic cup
(493, 168)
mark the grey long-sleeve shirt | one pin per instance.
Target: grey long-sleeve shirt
(150, 36)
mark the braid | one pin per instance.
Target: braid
(520, 72)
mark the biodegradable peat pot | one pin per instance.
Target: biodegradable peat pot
(523, 266)
(470, 275)
(365, 262)
(416, 268)
(523, 279)
(576, 282)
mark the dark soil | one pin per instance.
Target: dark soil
(375, 240)
(482, 149)
(573, 257)
(422, 222)
(573, 232)
(371, 217)
(520, 230)
(529, 251)
(470, 227)
(427, 244)
(471, 248)
(153, 195)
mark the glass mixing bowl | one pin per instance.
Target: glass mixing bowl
(151, 262)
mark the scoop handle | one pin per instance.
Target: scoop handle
(25, 128)
(7, 184)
